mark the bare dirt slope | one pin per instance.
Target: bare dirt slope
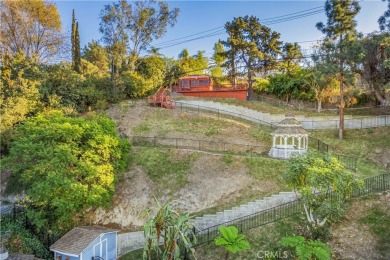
(210, 182)
(352, 238)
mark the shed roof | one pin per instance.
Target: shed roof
(76, 240)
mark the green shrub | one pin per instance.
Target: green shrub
(67, 164)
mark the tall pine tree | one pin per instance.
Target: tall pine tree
(75, 39)
(340, 29)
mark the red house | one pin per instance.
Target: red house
(203, 86)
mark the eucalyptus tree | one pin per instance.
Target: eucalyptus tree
(31, 27)
(252, 43)
(133, 27)
(340, 29)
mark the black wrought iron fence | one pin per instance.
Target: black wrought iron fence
(201, 145)
(371, 185)
(318, 145)
(251, 221)
(231, 148)
(349, 162)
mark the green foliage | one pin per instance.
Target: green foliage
(219, 58)
(97, 55)
(32, 27)
(71, 89)
(169, 226)
(20, 240)
(162, 166)
(384, 21)
(68, 164)
(370, 55)
(324, 186)
(231, 240)
(137, 85)
(227, 158)
(75, 41)
(291, 55)
(152, 68)
(190, 65)
(292, 85)
(307, 249)
(133, 26)
(252, 43)
(261, 85)
(19, 94)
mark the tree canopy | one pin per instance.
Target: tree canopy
(339, 30)
(66, 164)
(323, 184)
(134, 26)
(252, 43)
(32, 27)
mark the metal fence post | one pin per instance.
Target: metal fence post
(383, 182)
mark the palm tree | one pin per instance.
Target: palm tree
(231, 240)
(170, 228)
(154, 51)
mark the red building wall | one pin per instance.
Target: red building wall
(239, 94)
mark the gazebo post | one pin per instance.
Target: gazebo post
(299, 142)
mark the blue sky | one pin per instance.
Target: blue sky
(199, 16)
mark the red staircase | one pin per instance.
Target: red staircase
(161, 98)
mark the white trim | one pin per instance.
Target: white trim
(99, 236)
(81, 256)
(63, 253)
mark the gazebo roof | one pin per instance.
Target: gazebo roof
(290, 126)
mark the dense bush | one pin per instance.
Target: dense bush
(287, 86)
(67, 164)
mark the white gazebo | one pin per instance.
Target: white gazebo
(289, 138)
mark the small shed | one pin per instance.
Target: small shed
(289, 138)
(88, 242)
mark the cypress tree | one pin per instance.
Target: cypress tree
(75, 40)
(77, 60)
